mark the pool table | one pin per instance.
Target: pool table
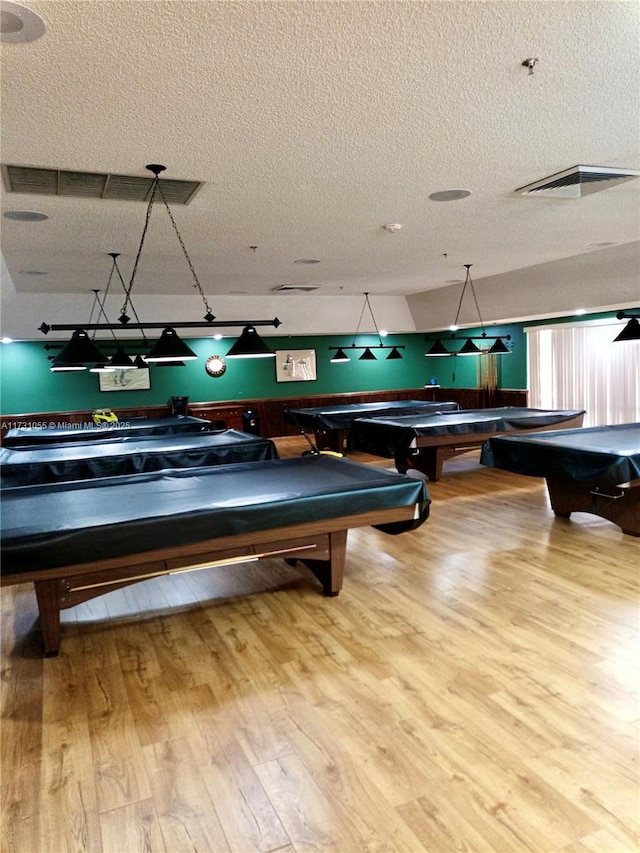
(77, 540)
(424, 443)
(330, 424)
(594, 470)
(59, 433)
(31, 465)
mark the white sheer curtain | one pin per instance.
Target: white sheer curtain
(578, 366)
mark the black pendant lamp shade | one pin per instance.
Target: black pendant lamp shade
(367, 355)
(469, 348)
(250, 345)
(170, 347)
(121, 360)
(499, 348)
(631, 331)
(439, 349)
(79, 352)
(340, 357)
(394, 354)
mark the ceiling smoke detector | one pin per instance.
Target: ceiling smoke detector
(393, 227)
(578, 181)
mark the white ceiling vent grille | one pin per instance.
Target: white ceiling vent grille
(39, 181)
(579, 181)
(293, 288)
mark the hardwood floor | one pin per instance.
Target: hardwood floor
(473, 688)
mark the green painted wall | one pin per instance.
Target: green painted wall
(28, 386)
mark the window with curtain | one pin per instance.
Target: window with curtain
(578, 366)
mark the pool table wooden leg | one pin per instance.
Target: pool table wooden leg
(48, 598)
(621, 508)
(428, 460)
(330, 572)
(334, 439)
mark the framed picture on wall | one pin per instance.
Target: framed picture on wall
(296, 365)
(125, 380)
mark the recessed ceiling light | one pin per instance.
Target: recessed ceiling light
(25, 215)
(580, 311)
(454, 281)
(19, 24)
(307, 261)
(33, 272)
(602, 245)
(449, 195)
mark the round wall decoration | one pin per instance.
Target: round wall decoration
(215, 365)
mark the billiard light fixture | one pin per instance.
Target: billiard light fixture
(631, 331)
(169, 349)
(80, 351)
(341, 355)
(469, 348)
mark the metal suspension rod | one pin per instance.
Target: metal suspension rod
(196, 324)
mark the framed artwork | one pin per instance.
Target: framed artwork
(125, 380)
(295, 365)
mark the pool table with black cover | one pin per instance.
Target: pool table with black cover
(77, 540)
(424, 443)
(31, 465)
(594, 470)
(330, 424)
(59, 433)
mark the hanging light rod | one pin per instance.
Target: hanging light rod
(169, 348)
(469, 348)
(369, 346)
(45, 328)
(367, 355)
(483, 337)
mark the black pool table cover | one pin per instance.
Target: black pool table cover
(95, 432)
(606, 455)
(390, 437)
(33, 465)
(69, 523)
(341, 417)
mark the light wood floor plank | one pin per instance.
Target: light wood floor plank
(474, 688)
(249, 820)
(132, 829)
(187, 815)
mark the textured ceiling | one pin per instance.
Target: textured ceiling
(312, 124)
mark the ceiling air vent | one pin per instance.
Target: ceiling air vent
(579, 181)
(40, 181)
(292, 288)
